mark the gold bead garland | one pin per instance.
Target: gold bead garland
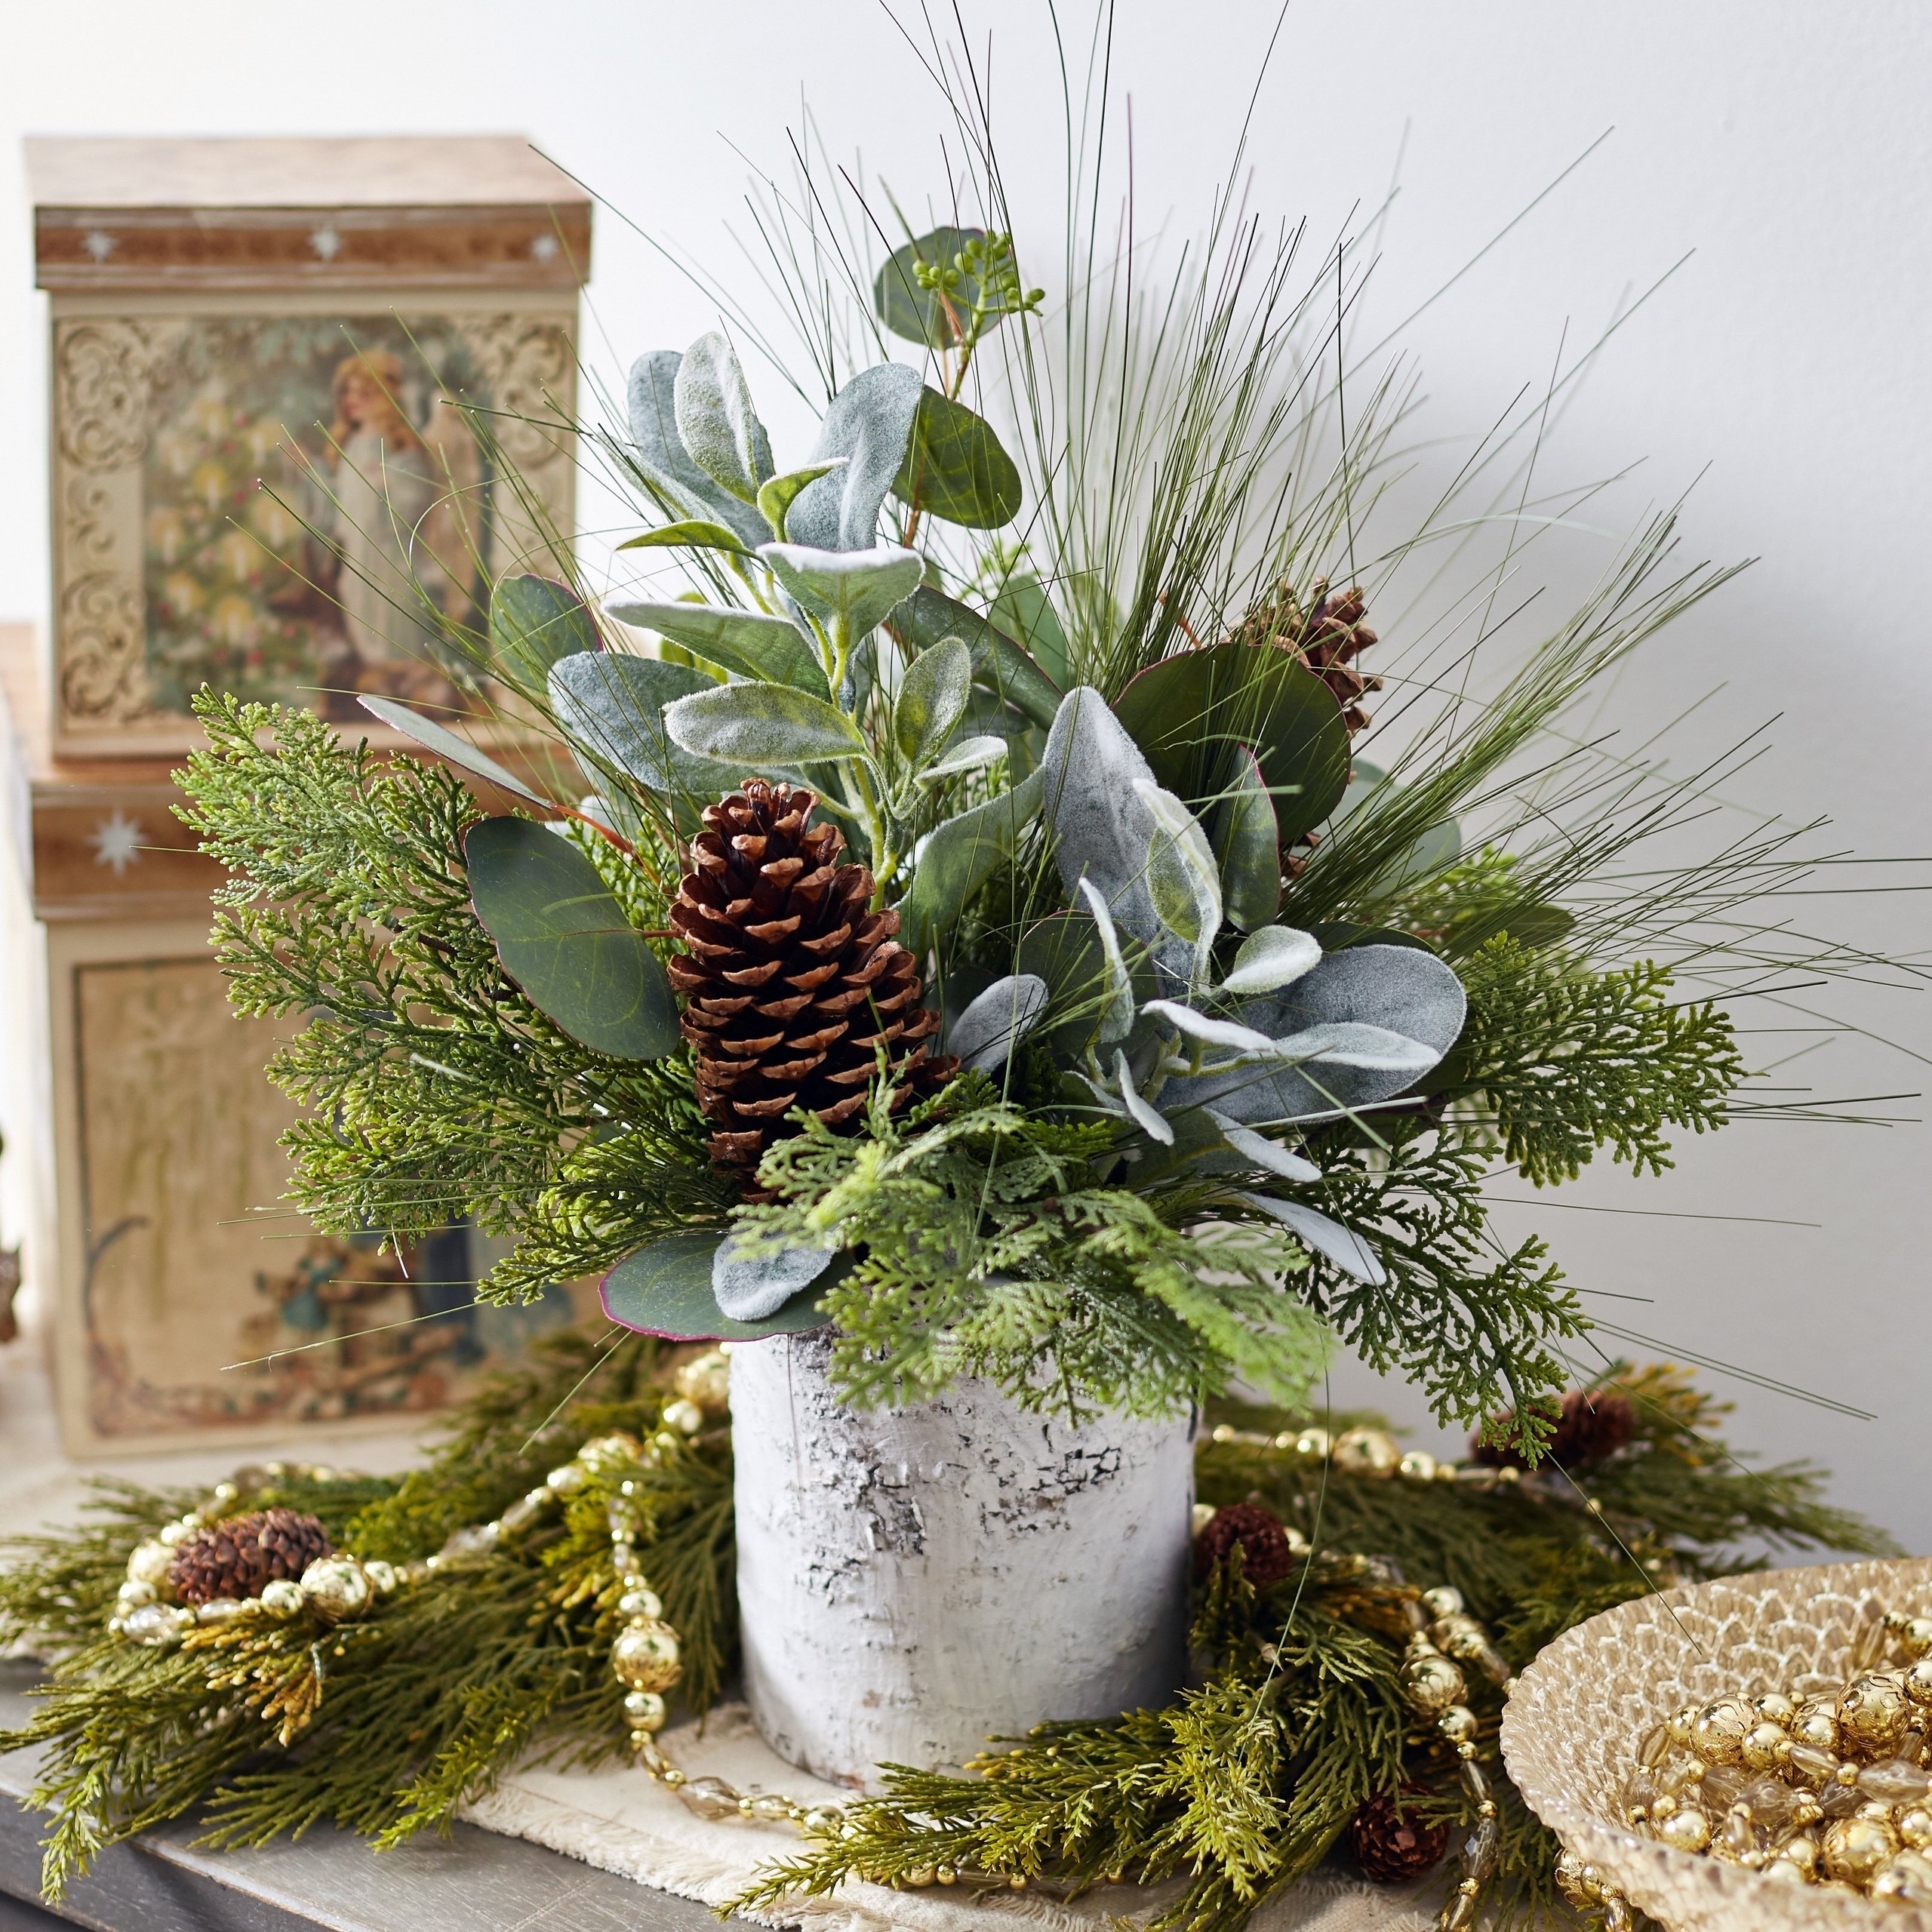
(1826, 1787)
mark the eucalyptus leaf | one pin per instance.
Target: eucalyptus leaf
(534, 621)
(932, 698)
(870, 423)
(999, 665)
(916, 313)
(611, 706)
(955, 860)
(665, 1290)
(695, 533)
(1274, 957)
(754, 727)
(986, 1034)
(775, 499)
(754, 1287)
(748, 642)
(1025, 611)
(562, 937)
(662, 458)
(445, 743)
(1327, 1238)
(967, 754)
(716, 422)
(1249, 841)
(955, 468)
(854, 588)
(1188, 712)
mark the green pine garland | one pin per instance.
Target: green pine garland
(387, 1726)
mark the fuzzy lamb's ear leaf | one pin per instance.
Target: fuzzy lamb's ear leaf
(1182, 878)
(695, 533)
(968, 755)
(1117, 1009)
(756, 726)
(870, 423)
(932, 700)
(775, 499)
(955, 468)
(1269, 1155)
(1329, 1239)
(748, 642)
(986, 1034)
(1249, 841)
(534, 622)
(1273, 957)
(716, 422)
(953, 861)
(999, 665)
(660, 455)
(1399, 990)
(854, 588)
(444, 743)
(665, 1290)
(611, 707)
(917, 314)
(755, 1287)
(1142, 1112)
(563, 938)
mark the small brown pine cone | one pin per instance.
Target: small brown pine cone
(1265, 1554)
(1328, 634)
(791, 984)
(235, 1558)
(1592, 1426)
(1393, 1845)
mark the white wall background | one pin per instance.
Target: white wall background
(1788, 142)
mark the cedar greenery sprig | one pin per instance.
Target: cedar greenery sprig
(384, 1726)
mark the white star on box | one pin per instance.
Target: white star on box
(117, 842)
(98, 243)
(326, 242)
(544, 247)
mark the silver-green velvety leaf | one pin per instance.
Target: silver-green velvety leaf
(666, 1289)
(1182, 879)
(716, 422)
(1402, 989)
(1117, 1014)
(953, 861)
(754, 1287)
(986, 1034)
(746, 641)
(968, 755)
(1142, 1114)
(1327, 1238)
(659, 452)
(611, 707)
(775, 499)
(1248, 837)
(1268, 1155)
(1273, 957)
(694, 534)
(755, 726)
(870, 423)
(445, 743)
(932, 700)
(854, 588)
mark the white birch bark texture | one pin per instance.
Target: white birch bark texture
(910, 1580)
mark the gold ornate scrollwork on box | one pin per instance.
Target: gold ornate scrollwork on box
(528, 365)
(103, 676)
(90, 510)
(101, 375)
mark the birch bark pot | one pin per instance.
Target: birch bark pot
(910, 1580)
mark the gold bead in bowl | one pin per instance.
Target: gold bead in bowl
(1873, 1712)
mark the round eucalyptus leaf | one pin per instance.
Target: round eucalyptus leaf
(956, 469)
(666, 1289)
(563, 938)
(917, 313)
(534, 622)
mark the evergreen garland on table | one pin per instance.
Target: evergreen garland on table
(387, 1724)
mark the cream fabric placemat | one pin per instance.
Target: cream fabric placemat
(622, 1820)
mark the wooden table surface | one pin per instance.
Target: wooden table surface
(471, 1881)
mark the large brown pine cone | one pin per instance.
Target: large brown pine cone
(791, 984)
(235, 1558)
(1328, 634)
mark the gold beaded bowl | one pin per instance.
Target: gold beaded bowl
(1573, 1728)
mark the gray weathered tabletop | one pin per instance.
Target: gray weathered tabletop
(470, 1881)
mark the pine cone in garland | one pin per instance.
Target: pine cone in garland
(1592, 1426)
(1328, 635)
(1393, 1845)
(1265, 1556)
(235, 1558)
(791, 983)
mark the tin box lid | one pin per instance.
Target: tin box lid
(477, 210)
